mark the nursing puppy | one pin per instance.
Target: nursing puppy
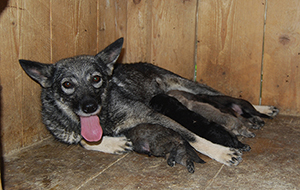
(239, 108)
(230, 122)
(194, 122)
(159, 141)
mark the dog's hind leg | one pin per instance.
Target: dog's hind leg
(268, 110)
(112, 145)
(174, 82)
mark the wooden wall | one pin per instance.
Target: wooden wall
(232, 42)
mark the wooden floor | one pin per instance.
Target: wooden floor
(273, 163)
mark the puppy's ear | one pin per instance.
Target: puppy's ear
(110, 54)
(42, 73)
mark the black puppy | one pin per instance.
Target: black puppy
(159, 141)
(196, 123)
(236, 107)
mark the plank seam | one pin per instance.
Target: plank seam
(263, 51)
(196, 41)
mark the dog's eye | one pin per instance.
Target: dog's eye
(96, 81)
(67, 84)
(96, 78)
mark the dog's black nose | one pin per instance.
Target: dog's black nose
(89, 106)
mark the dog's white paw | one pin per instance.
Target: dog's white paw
(271, 111)
(112, 145)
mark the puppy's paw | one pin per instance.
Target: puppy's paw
(190, 166)
(271, 111)
(171, 162)
(245, 148)
(247, 133)
(254, 122)
(112, 145)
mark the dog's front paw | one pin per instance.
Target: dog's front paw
(112, 145)
(222, 154)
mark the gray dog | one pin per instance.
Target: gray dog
(92, 100)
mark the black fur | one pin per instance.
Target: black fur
(194, 122)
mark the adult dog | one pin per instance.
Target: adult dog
(82, 92)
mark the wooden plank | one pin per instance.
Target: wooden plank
(281, 76)
(139, 25)
(74, 28)
(64, 29)
(112, 24)
(34, 45)
(229, 49)
(86, 39)
(173, 35)
(11, 79)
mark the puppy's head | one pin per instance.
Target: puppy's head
(76, 86)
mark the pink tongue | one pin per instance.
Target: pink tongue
(90, 128)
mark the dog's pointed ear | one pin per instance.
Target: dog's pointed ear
(110, 54)
(42, 73)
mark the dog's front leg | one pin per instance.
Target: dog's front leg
(222, 154)
(112, 145)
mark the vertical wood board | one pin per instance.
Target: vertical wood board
(34, 45)
(11, 79)
(112, 24)
(229, 49)
(73, 28)
(138, 33)
(281, 77)
(173, 36)
(86, 38)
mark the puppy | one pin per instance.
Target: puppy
(159, 141)
(194, 122)
(211, 113)
(239, 108)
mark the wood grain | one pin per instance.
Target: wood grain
(223, 37)
(173, 36)
(139, 27)
(112, 24)
(229, 50)
(281, 77)
(11, 79)
(74, 28)
(34, 45)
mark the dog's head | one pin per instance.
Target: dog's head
(77, 85)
